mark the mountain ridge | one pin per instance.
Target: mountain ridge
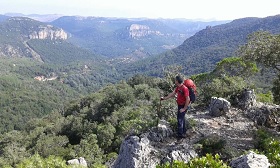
(25, 37)
(95, 33)
(211, 45)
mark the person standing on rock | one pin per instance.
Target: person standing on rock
(183, 100)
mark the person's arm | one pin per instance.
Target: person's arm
(186, 104)
(168, 96)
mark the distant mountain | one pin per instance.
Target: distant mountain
(3, 18)
(118, 37)
(202, 51)
(41, 18)
(41, 71)
(25, 37)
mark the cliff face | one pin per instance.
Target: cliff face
(16, 32)
(137, 31)
(236, 128)
(49, 32)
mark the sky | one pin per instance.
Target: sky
(194, 9)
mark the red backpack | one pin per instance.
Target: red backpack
(192, 89)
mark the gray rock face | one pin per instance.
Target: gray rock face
(237, 128)
(246, 99)
(161, 132)
(80, 162)
(218, 106)
(48, 32)
(138, 31)
(251, 160)
(265, 115)
(135, 152)
(147, 151)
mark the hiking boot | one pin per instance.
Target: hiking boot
(179, 140)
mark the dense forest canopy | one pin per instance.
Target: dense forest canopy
(86, 105)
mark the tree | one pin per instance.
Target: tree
(264, 48)
(276, 90)
(36, 161)
(51, 145)
(105, 135)
(228, 78)
(235, 66)
(89, 149)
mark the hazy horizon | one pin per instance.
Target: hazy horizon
(179, 9)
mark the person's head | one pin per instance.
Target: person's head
(178, 80)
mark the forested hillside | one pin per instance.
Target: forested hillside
(115, 37)
(31, 89)
(202, 51)
(23, 98)
(94, 126)
(57, 98)
(3, 18)
(41, 71)
(25, 37)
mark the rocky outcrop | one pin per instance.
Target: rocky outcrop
(146, 150)
(262, 114)
(135, 152)
(250, 160)
(138, 31)
(10, 50)
(265, 115)
(48, 32)
(79, 162)
(244, 100)
(161, 132)
(218, 106)
(234, 131)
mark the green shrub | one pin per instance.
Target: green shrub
(276, 90)
(36, 161)
(212, 144)
(205, 161)
(173, 123)
(265, 97)
(272, 151)
(268, 146)
(191, 123)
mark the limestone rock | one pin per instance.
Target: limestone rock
(265, 115)
(80, 162)
(48, 32)
(135, 153)
(137, 31)
(219, 106)
(245, 100)
(251, 160)
(161, 132)
(147, 150)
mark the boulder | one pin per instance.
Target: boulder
(80, 162)
(150, 149)
(265, 115)
(135, 153)
(161, 132)
(244, 100)
(250, 160)
(218, 106)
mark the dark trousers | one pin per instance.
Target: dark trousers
(181, 121)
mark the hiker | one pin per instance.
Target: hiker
(183, 101)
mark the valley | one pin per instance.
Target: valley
(78, 86)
